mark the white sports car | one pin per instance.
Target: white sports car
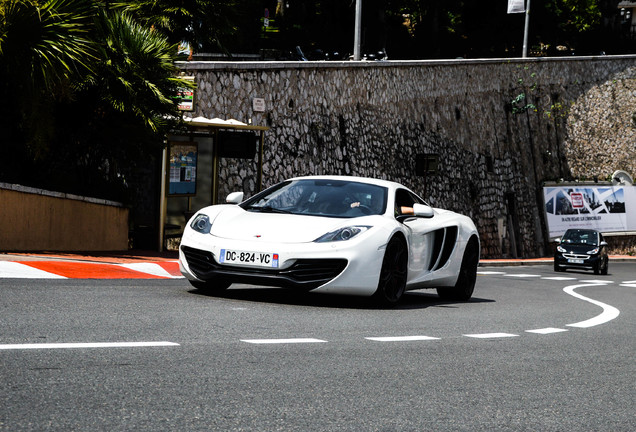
(332, 234)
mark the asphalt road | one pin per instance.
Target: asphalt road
(526, 353)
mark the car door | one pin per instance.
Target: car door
(430, 240)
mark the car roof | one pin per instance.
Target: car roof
(378, 182)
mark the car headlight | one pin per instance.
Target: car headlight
(593, 251)
(561, 249)
(342, 234)
(201, 223)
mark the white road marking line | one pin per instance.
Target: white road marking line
(490, 335)
(401, 338)
(630, 282)
(559, 278)
(523, 275)
(10, 269)
(283, 341)
(86, 345)
(597, 281)
(628, 285)
(150, 268)
(490, 273)
(608, 314)
(548, 330)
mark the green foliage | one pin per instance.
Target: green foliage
(90, 90)
(520, 106)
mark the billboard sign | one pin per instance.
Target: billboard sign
(603, 208)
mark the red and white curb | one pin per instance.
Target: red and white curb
(89, 270)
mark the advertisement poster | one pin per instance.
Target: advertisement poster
(183, 169)
(603, 208)
(185, 96)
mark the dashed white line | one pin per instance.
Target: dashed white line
(559, 278)
(521, 275)
(490, 335)
(548, 330)
(401, 338)
(283, 341)
(86, 345)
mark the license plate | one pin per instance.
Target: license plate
(260, 259)
(575, 261)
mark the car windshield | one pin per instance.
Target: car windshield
(321, 197)
(586, 237)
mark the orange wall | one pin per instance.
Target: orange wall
(30, 221)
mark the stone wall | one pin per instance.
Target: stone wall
(499, 128)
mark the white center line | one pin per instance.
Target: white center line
(608, 314)
(85, 345)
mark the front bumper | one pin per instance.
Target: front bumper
(580, 261)
(351, 267)
(305, 274)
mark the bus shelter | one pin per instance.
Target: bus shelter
(190, 167)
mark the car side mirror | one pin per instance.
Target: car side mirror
(422, 210)
(234, 198)
(603, 243)
(558, 241)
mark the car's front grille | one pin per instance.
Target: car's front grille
(575, 256)
(304, 273)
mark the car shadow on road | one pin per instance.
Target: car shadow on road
(420, 299)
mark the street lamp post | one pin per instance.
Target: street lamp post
(525, 31)
(358, 30)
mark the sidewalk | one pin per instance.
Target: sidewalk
(140, 256)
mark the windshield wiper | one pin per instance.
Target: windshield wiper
(267, 209)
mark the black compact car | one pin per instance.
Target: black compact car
(582, 249)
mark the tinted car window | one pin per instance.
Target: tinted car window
(319, 197)
(581, 236)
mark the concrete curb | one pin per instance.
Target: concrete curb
(541, 261)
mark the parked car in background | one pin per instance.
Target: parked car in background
(582, 249)
(332, 234)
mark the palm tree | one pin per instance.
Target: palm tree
(44, 49)
(90, 89)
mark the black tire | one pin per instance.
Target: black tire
(393, 274)
(465, 284)
(597, 266)
(557, 268)
(210, 287)
(605, 268)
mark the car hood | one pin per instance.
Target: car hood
(238, 224)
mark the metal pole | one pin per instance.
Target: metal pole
(358, 30)
(525, 31)
(162, 199)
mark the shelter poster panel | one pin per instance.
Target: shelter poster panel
(183, 168)
(603, 208)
